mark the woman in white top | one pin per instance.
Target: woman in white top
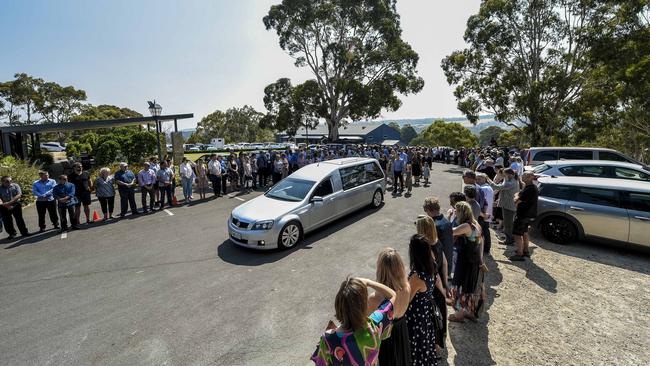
(187, 178)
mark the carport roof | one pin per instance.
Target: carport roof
(89, 125)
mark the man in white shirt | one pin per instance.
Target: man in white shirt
(214, 173)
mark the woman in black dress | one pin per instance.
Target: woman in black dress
(417, 168)
(427, 228)
(395, 350)
(419, 315)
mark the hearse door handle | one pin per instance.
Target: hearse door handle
(642, 218)
(576, 208)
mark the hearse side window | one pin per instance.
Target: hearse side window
(555, 191)
(595, 196)
(576, 154)
(324, 188)
(546, 155)
(353, 176)
(638, 201)
(608, 155)
(373, 172)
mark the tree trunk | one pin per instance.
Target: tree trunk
(333, 130)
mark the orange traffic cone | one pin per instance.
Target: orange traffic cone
(174, 201)
(95, 216)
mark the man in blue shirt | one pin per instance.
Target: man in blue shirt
(126, 183)
(64, 194)
(398, 168)
(42, 190)
(443, 228)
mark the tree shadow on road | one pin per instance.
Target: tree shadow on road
(470, 340)
(627, 257)
(242, 256)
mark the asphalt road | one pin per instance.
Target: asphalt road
(165, 289)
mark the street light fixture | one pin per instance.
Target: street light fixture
(155, 109)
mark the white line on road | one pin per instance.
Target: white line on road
(64, 236)
(169, 212)
(241, 199)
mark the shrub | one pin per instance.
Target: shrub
(23, 173)
(107, 152)
(45, 159)
(75, 148)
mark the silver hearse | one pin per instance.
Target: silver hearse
(307, 199)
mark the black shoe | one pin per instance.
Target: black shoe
(517, 258)
(26, 235)
(56, 227)
(63, 230)
(75, 228)
(527, 254)
(42, 230)
(11, 236)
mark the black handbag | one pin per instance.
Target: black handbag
(437, 315)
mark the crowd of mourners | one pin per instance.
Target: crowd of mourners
(400, 318)
(404, 320)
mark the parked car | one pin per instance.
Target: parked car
(592, 169)
(52, 146)
(573, 208)
(307, 199)
(537, 155)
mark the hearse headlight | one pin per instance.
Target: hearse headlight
(263, 225)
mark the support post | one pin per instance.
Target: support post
(175, 125)
(160, 157)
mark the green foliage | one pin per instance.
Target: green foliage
(102, 112)
(525, 62)
(355, 52)
(107, 152)
(140, 144)
(22, 172)
(441, 133)
(486, 135)
(28, 100)
(289, 108)
(407, 134)
(395, 125)
(514, 138)
(45, 158)
(74, 149)
(234, 125)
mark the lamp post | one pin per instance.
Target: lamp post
(155, 109)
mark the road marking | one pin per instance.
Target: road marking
(241, 199)
(139, 272)
(64, 236)
(169, 212)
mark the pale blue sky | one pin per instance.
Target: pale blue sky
(196, 55)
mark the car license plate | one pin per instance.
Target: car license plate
(236, 235)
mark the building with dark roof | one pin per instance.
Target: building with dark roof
(358, 132)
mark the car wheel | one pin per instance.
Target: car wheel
(290, 235)
(559, 230)
(377, 199)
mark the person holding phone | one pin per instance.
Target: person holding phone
(357, 339)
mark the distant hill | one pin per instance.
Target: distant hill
(422, 123)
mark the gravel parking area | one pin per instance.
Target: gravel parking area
(167, 289)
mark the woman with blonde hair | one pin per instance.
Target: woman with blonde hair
(466, 290)
(390, 272)
(427, 227)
